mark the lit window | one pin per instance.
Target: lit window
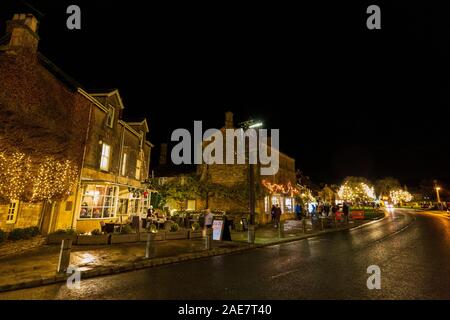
(12, 211)
(110, 117)
(138, 169)
(191, 205)
(124, 164)
(288, 205)
(104, 161)
(99, 202)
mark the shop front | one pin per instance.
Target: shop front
(109, 202)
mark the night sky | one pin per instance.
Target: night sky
(347, 100)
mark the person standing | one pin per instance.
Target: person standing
(208, 219)
(272, 212)
(298, 211)
(277, 216)
(345, 210)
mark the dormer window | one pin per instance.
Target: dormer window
(110, 117)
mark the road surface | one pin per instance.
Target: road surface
(412, 250)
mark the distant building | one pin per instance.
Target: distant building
(47, 113)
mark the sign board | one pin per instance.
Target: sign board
(244, 224)
(217, 229)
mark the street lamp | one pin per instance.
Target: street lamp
(251, 124)
(437, 194)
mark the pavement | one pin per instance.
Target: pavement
(37, 266)
(411, 249)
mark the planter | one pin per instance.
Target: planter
(124, 238)
(93, 240)
(181, 234)
(161, 235)
(195, 234)
(57, 238)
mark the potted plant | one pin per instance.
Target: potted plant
(96, 237)
(159, 235)
(176, 233)
(195, 231)
(61, 234)
(127, 234)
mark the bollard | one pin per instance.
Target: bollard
(251, 234)
(321, 222)
(304, 224)
(207, 236)
(150, 248)
(64, 255)
(281, 229)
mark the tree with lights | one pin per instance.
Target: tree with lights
(398, 196)
(384, 186)
(14, 176)
(356, 189)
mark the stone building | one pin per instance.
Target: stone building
(279, 188)
(46, 113)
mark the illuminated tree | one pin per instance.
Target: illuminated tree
(400, 196)
(384, 186)
(356, 189)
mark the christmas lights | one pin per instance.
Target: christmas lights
(358, 192)
(14, 175)
(399, 195)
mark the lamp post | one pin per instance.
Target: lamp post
(437, 194)
(251, 124)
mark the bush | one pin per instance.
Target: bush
(174, 227)
(195, 226)
(32, 231)
(17, 234)
(96, 232)
(65, 231)
(3, 236)
(126, 229)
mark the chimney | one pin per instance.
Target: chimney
(23, 32)
(229, 120)
(163, 154)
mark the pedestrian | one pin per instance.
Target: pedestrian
(272, 212)
(208, 219)
(298, 211)
(277, 216)
(345, 210)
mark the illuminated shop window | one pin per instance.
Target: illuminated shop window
(99, 201)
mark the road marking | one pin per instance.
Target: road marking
(282, 274)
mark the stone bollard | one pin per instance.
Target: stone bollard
(207, 236)
(64, 255)
(251, 233)
(150, 249)
(281, 229)
(304, 224)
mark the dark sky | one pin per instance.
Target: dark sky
(347, 100)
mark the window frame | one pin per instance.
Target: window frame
(110, 117)
(104, 167)
(13, 208)
(123, 170)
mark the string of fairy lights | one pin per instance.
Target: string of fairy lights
(275, 188)
(22, 179)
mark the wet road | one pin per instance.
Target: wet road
(411, 249)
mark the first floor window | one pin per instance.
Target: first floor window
(106, 153)
(138, 169)
(12, 211)
(124, 164)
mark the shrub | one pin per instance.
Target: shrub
(65, 231)
(31, 231)
(17, 234)
(195, 226)
(126, 229)
(174, 227)
(3, 235)
(96, 232)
